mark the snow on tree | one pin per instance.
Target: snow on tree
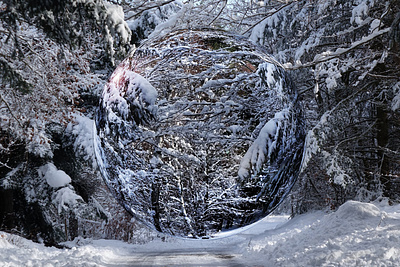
(50, 55)
(344, 57)
(41, 78)
(55, 178)
(143, 18)
(205, 129)
(176, 120)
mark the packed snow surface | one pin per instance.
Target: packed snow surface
(357, 234)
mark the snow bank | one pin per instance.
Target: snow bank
(357, 234)
(16, 251)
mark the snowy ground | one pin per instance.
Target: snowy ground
(357, 234)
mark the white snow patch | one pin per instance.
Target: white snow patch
(82, 131)
(270, 25)
(308, 44)
(262, 148)
(64, 198)
(54, 177)
(360, 12)
(125, 87)
(375, 24)
(269, 70)
(173, 22)
(115, 15)
(396, 99)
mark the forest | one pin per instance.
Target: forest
(194, 116)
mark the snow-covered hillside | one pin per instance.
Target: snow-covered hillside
(357, 234)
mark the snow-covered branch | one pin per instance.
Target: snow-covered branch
(262, 149)
(326, 56)
(270, 14)
(142, 8)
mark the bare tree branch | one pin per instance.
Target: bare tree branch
(220, 12)
(155, 5)
(323, 57)
(10, 110)
(269, 15)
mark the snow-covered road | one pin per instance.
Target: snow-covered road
(181, 257)
(357, 234)
(226, 249)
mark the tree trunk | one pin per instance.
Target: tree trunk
(382, 140)
(6, 208)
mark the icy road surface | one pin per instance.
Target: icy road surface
(357, 234)
(181, 257)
